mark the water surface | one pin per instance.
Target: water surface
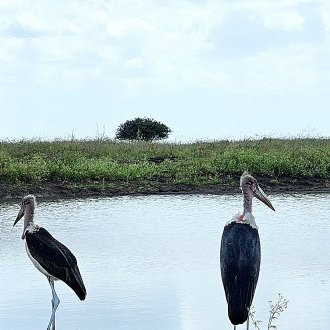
(152, 262)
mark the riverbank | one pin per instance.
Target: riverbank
(74, 190)
(84, 168)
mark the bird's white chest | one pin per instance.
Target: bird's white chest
(36, 263)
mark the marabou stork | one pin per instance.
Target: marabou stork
(49, 256)
(240, 254)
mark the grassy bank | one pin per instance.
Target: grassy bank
(86, 167)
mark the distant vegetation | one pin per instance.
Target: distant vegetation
(114, 166)
(142, 129)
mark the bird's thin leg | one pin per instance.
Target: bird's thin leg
(247, 323)
(55, 303)
(234, 327)
(52, 325)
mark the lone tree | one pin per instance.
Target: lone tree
(145, 129)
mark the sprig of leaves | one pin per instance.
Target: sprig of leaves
(252, 317)
(274, 312)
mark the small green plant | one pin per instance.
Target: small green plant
(255, 322)
(274, 312)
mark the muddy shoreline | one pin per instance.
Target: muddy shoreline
(111, 189)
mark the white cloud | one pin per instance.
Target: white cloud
(284, 20)
(122, 48)
(178, 42)
(134, 63)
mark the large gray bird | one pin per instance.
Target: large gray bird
(240, 254)
(49, 256)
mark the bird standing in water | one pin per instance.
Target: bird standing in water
(49, 256)
(240, 254)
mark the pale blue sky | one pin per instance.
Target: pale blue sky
(208, 69)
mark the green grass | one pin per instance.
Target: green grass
(107, 162)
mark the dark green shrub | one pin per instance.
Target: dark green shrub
(145, 129)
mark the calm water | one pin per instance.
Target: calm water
(153, 263)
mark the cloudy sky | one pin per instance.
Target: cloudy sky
(208, 69)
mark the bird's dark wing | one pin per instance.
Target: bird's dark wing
(240, 263)
(56, 259)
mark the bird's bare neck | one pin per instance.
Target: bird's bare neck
(28, 219)
(247, 203)
(29, 215)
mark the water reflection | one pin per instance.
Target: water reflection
(152, 262)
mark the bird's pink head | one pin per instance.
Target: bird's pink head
(27, 210)
(250, 189)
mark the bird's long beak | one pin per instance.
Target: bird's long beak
(19, 215)
(262, 197)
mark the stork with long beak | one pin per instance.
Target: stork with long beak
(49, 256)
(240, 254)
